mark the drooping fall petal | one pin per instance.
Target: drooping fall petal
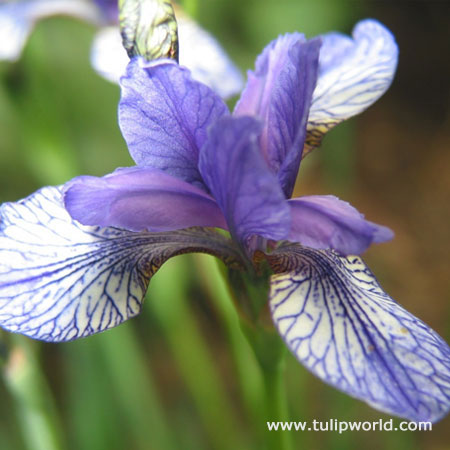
(338, 322)
(60, 280)
(353, 74)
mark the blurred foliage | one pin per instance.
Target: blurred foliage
(182, 376)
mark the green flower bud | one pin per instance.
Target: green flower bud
(149, 28)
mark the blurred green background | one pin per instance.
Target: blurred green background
(181, 375)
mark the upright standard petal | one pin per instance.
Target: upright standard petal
(353, 74)
(280, 92)
(325, 222)
(338, 322)
(164, 116)
(247, 192)
(140, 199)
(18, 18)
(60, 280)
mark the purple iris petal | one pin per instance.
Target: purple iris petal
(325, 222)
(244, 187)
(337, 321)
(164, 116)
(280, 92)
(60, 280)
(141, 199)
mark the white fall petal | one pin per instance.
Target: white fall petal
(60, 280)
(353, 74)
(338, 322)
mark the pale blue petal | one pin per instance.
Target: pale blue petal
(18, 18)
(108, 56)
(60, 280)
(353, 74)
(337, 321)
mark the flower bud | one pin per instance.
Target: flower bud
(149, 28)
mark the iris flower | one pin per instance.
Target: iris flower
(77, 259)
(199, 50)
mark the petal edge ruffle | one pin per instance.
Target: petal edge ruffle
(353, 74)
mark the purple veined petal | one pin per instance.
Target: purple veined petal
(205, 58)
(255, 99)
(60, 280)
(164, 116)
(246, 190)
(325, 222)
(18, 18)
(338, 322)
(353, 74)
(280, 92)
(139, 199)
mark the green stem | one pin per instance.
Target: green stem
(276, 406)
(270, 352)
(250, 293)
(28, 387)
(248, 374)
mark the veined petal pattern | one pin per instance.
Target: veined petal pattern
(353, 74)
(60, 280)
(343, 327)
